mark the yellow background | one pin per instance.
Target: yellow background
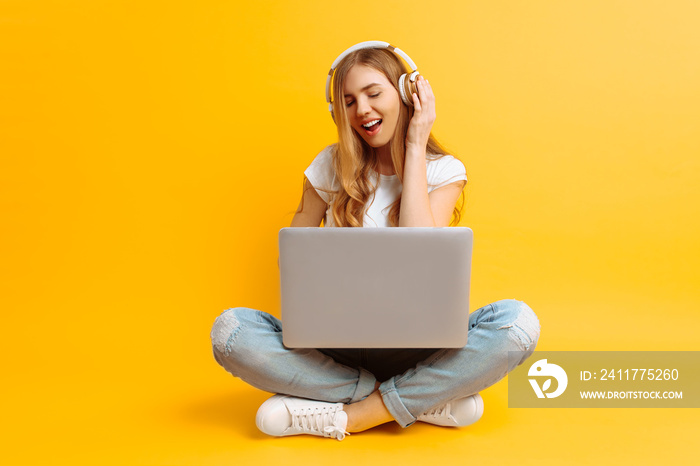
(152, 150)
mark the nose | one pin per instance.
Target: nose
(363, 107)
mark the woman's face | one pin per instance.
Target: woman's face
(372, 105)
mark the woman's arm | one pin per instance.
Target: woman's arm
(418, 208)
(314, 208)
(313, 212)
(415, 210)
(443, 201)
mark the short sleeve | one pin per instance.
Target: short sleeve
(443, 171)
(322, 176)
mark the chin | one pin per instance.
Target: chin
(375, 145)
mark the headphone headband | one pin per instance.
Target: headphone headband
(370, 44)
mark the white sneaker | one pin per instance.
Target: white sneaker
(457, 413)
(285, 415)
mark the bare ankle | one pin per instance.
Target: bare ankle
(367, 413)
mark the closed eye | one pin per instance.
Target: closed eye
(348, 104)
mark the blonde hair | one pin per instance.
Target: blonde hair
(354, 159)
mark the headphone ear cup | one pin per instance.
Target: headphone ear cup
(403, 91)
(330, 109)
(407, 87)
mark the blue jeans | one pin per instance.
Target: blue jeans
(248, 344)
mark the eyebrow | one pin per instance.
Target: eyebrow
(365, 88)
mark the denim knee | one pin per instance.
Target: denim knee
(521, 322)
(227, 327)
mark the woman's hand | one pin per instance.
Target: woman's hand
(423, 117)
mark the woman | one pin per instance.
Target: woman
(386, 170)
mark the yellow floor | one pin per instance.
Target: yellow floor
(158, 398)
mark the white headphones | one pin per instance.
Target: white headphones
(406, 86)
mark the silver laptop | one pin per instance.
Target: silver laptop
(375, 287)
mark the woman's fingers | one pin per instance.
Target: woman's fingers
(423, 113)
(429, 93)
(416, 103)
(427, 98)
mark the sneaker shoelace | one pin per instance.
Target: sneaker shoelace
(319, 421)
(440, 411)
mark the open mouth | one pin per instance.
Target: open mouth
(372, 127)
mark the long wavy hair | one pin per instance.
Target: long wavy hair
(354, 160)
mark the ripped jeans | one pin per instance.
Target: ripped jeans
(248, 344)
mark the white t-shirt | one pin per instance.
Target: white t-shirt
(321, 175)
